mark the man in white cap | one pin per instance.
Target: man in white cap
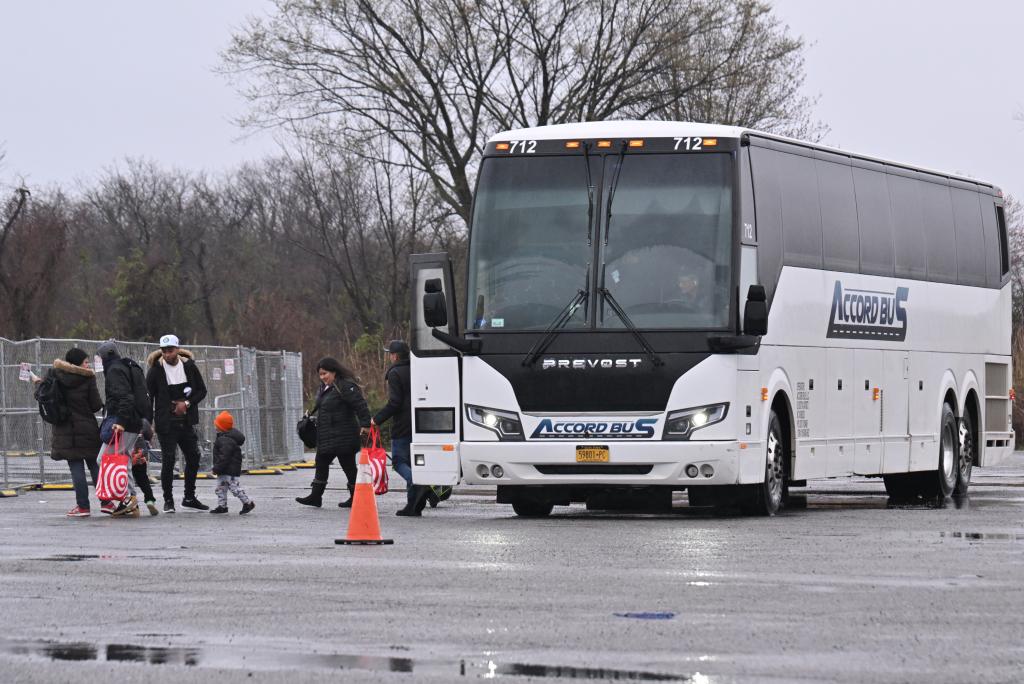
(176, 387)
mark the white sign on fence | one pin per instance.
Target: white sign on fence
(216, 373)
(25, 372)
(97, 364)
(229, 366)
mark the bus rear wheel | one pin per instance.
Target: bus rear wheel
(943, 480)
(766, 498)
(966, 457)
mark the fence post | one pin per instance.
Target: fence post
(3, 410)
(38, 421)
(240, 372)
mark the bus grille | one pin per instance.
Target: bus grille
(594, 469)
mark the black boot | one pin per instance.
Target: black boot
(316, 495)
(348, 504)
(420, 502)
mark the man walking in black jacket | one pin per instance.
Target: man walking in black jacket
(398, 409)
(176, 387)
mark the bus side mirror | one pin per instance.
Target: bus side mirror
(755, 313)
(435, 313)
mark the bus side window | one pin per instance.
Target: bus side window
(765, 167)
(841, 242)
(970, 240)
(908, 224)
(940, 245)
(995, 241)
(874, 219)
(1004, 251)
(801, 213)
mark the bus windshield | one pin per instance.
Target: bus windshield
(664, 257)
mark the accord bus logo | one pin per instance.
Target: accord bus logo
(642, 428)
(588, 364)
(868, 314)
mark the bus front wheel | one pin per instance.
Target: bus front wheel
(532, 508)
(766, 498)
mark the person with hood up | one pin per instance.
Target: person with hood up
(176, 388)
(77, 439)
(227, 463)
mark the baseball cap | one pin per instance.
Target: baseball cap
(397, 347)
(169, 341)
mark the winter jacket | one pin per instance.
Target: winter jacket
(342, 411)
(126, 397)
(398, 401)
(227, 453)
(156, 382)
(79, 437)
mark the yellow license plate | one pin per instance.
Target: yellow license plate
(592, 454)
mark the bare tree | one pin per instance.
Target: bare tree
(436, 78)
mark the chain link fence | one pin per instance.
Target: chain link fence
(261, 389)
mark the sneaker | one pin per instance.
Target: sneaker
(246, 507)
(151, 505)
(129, 507)
(195, 503)
(168, 507)
(410, 511)
(220, 509)
(78, 512)
(108, 507)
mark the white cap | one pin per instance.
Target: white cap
(168, 341)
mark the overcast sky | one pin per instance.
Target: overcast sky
(86, 84)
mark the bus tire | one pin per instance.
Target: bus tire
(767, 498)
(532, 508)
(966, 455)
(942, 481)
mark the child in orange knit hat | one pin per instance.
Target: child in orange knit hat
(227, 463)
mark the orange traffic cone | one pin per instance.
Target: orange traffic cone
(363, 521)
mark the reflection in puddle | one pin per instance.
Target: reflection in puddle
(984, 536)
(227, 656)
(647, 615)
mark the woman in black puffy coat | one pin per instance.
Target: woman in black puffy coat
(77, 440)
(342, 417)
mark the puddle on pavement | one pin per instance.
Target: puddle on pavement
(985, 536)
(647, 615)
(231, 657)
(69, 557)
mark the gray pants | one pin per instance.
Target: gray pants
(226, 483)
(127, 445)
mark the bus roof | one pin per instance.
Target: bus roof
(683, 129)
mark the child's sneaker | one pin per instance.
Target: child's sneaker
(246, 507)
(129, 506)
(108, 507)
(220, 509)
(78, 512)
(151, 505)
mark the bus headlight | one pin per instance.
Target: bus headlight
(505, 424)
(681, 424)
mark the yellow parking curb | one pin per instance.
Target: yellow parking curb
(284, 467)
(6, 493)
(51, 487)
(304, 464)
(263, 471)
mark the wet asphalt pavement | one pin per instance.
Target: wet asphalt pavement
(844, 589)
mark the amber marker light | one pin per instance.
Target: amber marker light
(448, 447)
(604, 143)
(501, 147)
(764, 394)
(636, 143)
(572, 144)
(876, 394)
(710, 142)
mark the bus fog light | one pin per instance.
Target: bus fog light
(497, 471)
(706, 470)
(482, 471)
(691, 470)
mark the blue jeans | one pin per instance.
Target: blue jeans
(401, 461)
(78, 479)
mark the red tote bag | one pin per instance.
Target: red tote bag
(112, 484)
(378, 460)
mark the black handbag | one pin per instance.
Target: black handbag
(307, 429)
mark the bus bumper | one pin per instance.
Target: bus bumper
(629, 464)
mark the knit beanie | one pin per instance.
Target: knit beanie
(224, 421)
(75, 356)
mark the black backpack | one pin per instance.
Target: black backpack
(143, 407)
(53, 405)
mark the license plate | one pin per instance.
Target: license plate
(592, 454)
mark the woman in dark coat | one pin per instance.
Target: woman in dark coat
(77, 440)
(341, 418)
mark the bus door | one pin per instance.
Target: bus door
(895, 402)
(434, 370)
(868, 367)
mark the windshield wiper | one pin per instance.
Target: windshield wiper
(611, 191)
(608, 297)
(561, 320)
(590, 196)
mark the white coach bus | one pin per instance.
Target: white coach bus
(658, 306)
